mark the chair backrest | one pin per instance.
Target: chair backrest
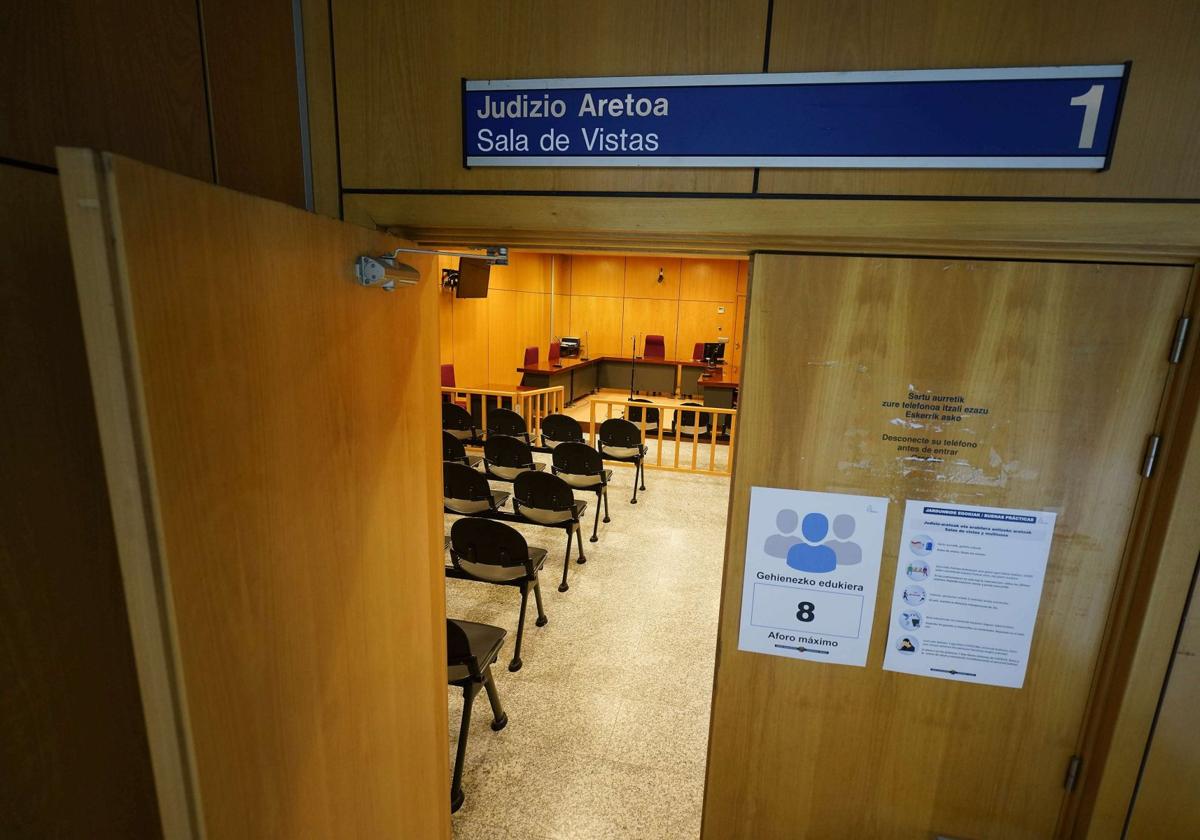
(560, 428)
(634, 413)
(655, 347)
(577, 459)
(698, 352)
(543, 497)
(555, 352)
(458, 421)
(505, 451)
(452, 448)
(490, 550)
(618, 432)
(692, 420)
(458, 650)
(447, 376)
(505, 421)
(462, 484)
(531, 357)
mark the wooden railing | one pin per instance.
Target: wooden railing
(716, 441)
(532, 403)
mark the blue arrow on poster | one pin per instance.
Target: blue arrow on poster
(980, 118)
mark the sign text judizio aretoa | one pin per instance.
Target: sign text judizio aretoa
(1001, 118)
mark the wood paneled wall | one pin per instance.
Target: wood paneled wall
(130, 76)
(73, 753)
(607, 299)
(399, 66)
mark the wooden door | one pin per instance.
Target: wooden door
(270, 435)
(1071, 361)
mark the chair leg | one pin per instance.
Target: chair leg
(537, 596)
(606, 518)
(515, 665)
(464, 727)
(637, 474)
(642, 470)
(596, 521)
(579, 534)
(499, 716)
(563, 587)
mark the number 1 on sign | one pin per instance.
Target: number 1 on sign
(1091, 114)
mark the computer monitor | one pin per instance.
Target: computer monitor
(568, 346)
(473, 278)
(714, 352)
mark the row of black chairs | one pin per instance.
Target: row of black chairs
(482, 547)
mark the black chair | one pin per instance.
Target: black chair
(560, 428)
(466, 490)
(620, 440)
(505, 458)
(470, 651)
(582, 467)
(505, 421)
(492, 552)
(458, 421)
(692, 423)
(548, 500)
(634, 415)
(453, 450)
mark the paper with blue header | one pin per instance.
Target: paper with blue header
(812, 574)
(968, 585)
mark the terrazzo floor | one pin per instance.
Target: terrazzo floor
(608, 717)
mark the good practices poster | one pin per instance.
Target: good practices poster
(968, 584)
(812, 574)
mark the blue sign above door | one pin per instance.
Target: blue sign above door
(985, 118)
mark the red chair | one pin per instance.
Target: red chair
(531, 357)
(698, 352)
(656, 347)
(447, 376)
(555, 353)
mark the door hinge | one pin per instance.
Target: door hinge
(1151, 459)
(1072, 776)
(1180, 339)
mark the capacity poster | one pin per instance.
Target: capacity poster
(812, 574)
(968, 584)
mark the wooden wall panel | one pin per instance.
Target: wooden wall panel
(400, 66)
(73, 750)
(642, 278)
(701, 320)
(598, 276)
(296, 524)
(526, 272)
(562, 267)
(108, 74)
(255, 100)
(472, 341)
(642, 316)
(597, 320)
(743, 277)
(739, 332)
(516, 320)
(1156, 142)
(560, 321)
(1166, 803)
(710, 279)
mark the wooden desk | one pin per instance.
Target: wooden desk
(580, 377)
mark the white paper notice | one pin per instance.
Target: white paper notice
(968, 585)
(812, 574)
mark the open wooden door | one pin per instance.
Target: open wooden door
(270, 434)
(1071, 361)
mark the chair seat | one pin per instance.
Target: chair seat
(617, 452)
(473, 461)
(470, 506)
(553, 517)
(585, 482)
(510, 473)
(485, 641)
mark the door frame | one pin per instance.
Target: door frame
(1164, 539)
